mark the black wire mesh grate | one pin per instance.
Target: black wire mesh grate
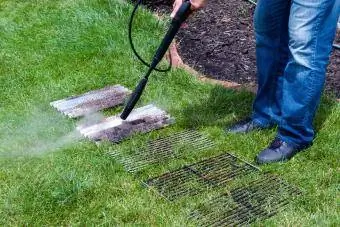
(164, 149)
(259, 200)
(192, 179)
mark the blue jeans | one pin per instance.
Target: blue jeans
(293, 44)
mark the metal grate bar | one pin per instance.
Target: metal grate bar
(142, 162)
(167, 176)
(178, 136)
(220, 200)
(243, 199)
(242, 216)
(132, 166)
(183, 184)
(192, 138)
(203, 142)
(163, 149)
(167, 153)
(210, 161)
(208, 173)
(193, 143)
(180, 175)
(222, 169)
(262, 199)
(238, 194)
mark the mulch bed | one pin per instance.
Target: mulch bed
(219, 42)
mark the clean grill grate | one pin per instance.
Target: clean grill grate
(259, 200)
(192, 179)
(164, 149)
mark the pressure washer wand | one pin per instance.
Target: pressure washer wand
(181, 15)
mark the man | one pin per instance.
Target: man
(293, 44)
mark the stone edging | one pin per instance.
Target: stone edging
(177, 62)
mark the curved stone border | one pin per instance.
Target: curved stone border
(177, 62)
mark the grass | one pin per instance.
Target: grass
(48, 176)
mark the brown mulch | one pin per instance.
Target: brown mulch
(219, 42)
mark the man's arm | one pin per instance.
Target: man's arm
(195, 5)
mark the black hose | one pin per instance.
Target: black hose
(133, 46)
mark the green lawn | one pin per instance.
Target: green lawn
(49, 176)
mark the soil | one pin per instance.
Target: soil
(219, 42)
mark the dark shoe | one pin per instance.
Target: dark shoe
(278, 151)
(244, 126)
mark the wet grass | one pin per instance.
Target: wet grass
(48, 176)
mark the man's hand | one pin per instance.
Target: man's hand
(195, 5)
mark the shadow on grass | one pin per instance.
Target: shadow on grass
(220, 108)
(325, 109)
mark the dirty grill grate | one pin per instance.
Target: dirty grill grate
(192, 179)
(259, 200)
(93, 101)
(114, 129)
(163, 149)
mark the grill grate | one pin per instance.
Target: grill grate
(261, 199)
(163, 149)
(93, 101)
(114, 129)
(192, 179)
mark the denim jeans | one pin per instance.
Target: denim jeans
(293, 44)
